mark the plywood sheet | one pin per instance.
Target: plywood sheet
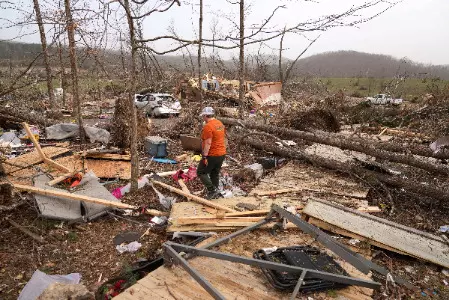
(299, 176)
(33, 158)
(110, 168)
(234, 281)
(409, 240)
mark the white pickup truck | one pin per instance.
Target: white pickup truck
(383, 99)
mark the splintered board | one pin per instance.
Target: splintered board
(33, 158)
(324, 182)
(234, 281)
(110, 168)
(395, 236)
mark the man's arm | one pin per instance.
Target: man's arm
(206, 147)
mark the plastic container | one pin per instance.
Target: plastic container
(156, 146)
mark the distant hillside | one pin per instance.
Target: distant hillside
(329, 64)
(352, 63)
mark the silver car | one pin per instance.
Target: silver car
(158, 104)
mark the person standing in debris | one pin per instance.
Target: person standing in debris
(213, 139)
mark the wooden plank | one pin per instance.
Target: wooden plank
(213, 220)
(193, 197)
(70, 196)
(248, 213)
(56, 165)
(331, 228)
(34, 141)
(62, 178)
(183, 186)
(370, 209)
(108, 156)
(406, 239)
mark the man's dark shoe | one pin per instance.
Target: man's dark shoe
(213, 195)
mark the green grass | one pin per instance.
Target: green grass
(410, 89)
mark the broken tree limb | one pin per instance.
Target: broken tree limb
(406, 184)
(193, 197)
(343, 142)
(70, 196)
(32, 235)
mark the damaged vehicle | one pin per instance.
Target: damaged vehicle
(158, 104)
(383, 99)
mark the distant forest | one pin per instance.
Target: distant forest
(329, 64)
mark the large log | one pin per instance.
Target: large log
(373, 149)
(406, 184)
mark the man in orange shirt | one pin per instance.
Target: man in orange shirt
(213, 139)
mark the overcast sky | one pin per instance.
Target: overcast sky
(416, 29)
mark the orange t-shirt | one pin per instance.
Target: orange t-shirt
(215, 129)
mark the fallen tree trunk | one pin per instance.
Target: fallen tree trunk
(358, 145)
(315, 160)
(13, 115)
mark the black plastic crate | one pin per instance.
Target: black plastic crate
(305, 257)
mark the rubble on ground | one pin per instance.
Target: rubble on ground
(379, 191)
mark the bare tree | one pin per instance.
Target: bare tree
(242, 52)
(200, 36)
(74, 67)
(40, 24)
(283, 77)
(131, 90)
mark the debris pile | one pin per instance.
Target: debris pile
(306, 198)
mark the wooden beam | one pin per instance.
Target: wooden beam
(248, 213)
(369, 209)
(34, 236)
(70, 196)
(276, 192)
(41, 153)
(213, 220)
(184, 187)
(193, 197)
(33, 140)
(61, 178)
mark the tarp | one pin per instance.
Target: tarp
(63, 209)
(40, 281)
(68, 130)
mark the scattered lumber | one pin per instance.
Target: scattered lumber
(193, 197)
(32, 235)
(398, 182)
(395, 236)
(70, 196)
(385, 150)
